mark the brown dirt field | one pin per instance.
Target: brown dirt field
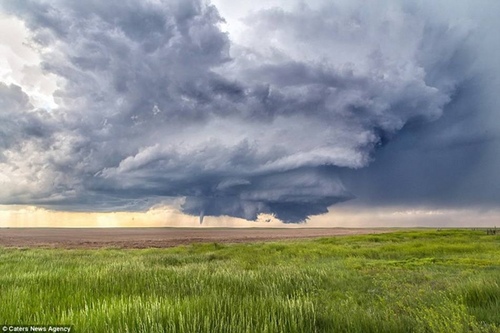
(158, 237)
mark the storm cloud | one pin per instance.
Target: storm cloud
(316, 105)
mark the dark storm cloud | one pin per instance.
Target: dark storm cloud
(155, 102)
(452, 162)
(19, 121)
(291, 196)
(12, 100)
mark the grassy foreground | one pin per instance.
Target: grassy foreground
(413, 281)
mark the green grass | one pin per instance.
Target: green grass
(413, 281)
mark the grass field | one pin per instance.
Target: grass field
(409, 281)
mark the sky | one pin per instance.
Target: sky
(262, 113)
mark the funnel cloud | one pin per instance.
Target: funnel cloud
(284, 110)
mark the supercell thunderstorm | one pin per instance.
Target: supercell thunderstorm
(155, 101)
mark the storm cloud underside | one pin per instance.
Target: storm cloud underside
(392, 103)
